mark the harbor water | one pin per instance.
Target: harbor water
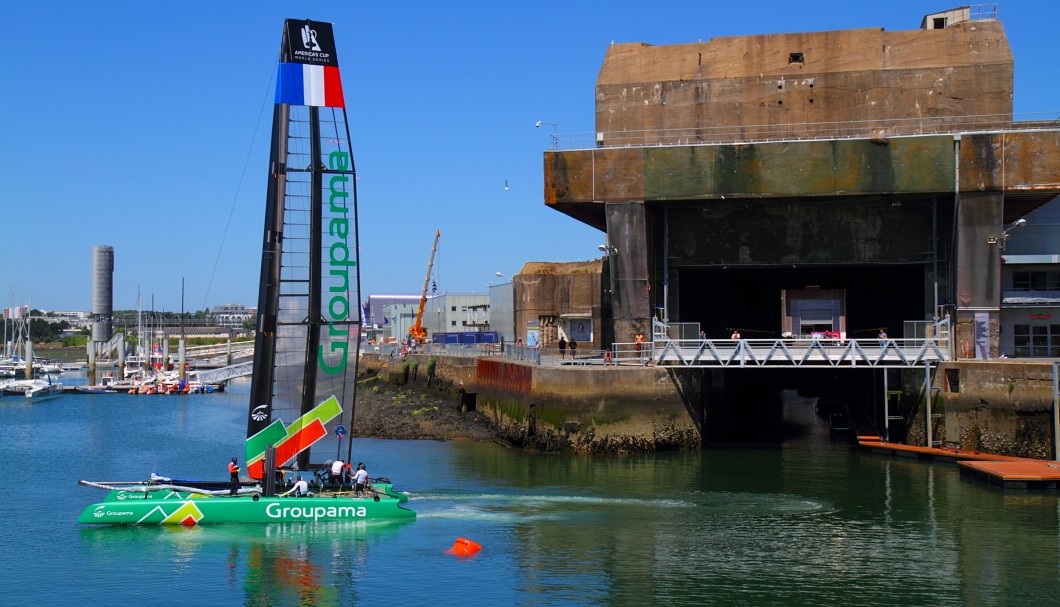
(809, 522)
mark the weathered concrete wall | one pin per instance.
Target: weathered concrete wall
(789, 82)
(595, 410)
(546, 292)
(1001, 407)
(576, 409)
(1013, 162)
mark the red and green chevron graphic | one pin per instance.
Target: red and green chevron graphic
(290, 440)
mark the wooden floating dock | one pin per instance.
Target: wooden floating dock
(999, 470)
(1026, 474)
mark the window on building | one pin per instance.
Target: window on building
(1036, 340)
(452, 323)
(939, 23)
(452, 308)
(1021, 281)
(795, 58)
(1036, 281)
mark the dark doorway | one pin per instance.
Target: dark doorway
(749, 299)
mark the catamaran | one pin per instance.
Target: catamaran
(308, 328)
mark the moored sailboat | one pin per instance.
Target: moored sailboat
(309, 324)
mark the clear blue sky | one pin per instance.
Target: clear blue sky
(144, 126)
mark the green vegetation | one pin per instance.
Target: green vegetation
(71, 341)
(42, 331)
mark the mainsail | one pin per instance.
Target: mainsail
(309, 320)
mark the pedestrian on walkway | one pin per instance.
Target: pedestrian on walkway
(562, 347)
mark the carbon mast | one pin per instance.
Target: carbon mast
(309, 316)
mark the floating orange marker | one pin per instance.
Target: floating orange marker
(463, 547)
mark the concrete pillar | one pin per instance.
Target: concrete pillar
(90, 348)
(980, 224)
(629, 241)
(121, 357)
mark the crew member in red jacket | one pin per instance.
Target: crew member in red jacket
(233, 470)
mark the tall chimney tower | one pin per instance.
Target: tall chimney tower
(102, 293)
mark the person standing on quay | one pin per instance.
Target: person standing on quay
(573, 345)
(233, 471)
(562, 347)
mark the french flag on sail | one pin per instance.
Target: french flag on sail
(304, 84)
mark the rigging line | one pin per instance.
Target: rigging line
(239, 186)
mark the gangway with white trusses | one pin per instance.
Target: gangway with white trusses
(795, 352)
(219, 376)
(239, 350)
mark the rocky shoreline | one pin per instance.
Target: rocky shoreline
(415, 412)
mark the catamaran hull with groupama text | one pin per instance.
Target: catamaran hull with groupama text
(169, 507)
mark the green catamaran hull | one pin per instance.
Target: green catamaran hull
(175, 508)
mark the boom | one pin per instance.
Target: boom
(417, 331)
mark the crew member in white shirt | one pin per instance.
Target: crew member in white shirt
(338, 471)
(300, 488)
(360, 479)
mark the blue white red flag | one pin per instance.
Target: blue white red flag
(304, 84)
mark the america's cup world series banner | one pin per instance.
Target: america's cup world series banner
(309, 65)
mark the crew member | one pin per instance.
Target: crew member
(233, 470)
(360, 479)
(300, 488)
(338, 469)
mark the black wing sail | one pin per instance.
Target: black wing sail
(309, 318)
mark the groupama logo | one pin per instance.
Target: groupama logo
(337, 312)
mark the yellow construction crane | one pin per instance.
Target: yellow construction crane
(417, 331)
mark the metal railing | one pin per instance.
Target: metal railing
(931, 347)
(808, 131)
(982, 12)
(218, 376)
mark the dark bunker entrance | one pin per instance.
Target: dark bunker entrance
(750, 405)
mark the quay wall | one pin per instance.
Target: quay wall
(566, 408)
(1003, 406)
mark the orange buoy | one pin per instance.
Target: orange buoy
(463, 547)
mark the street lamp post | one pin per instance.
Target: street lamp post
(555, 132)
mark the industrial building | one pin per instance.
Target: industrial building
(841, 181)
